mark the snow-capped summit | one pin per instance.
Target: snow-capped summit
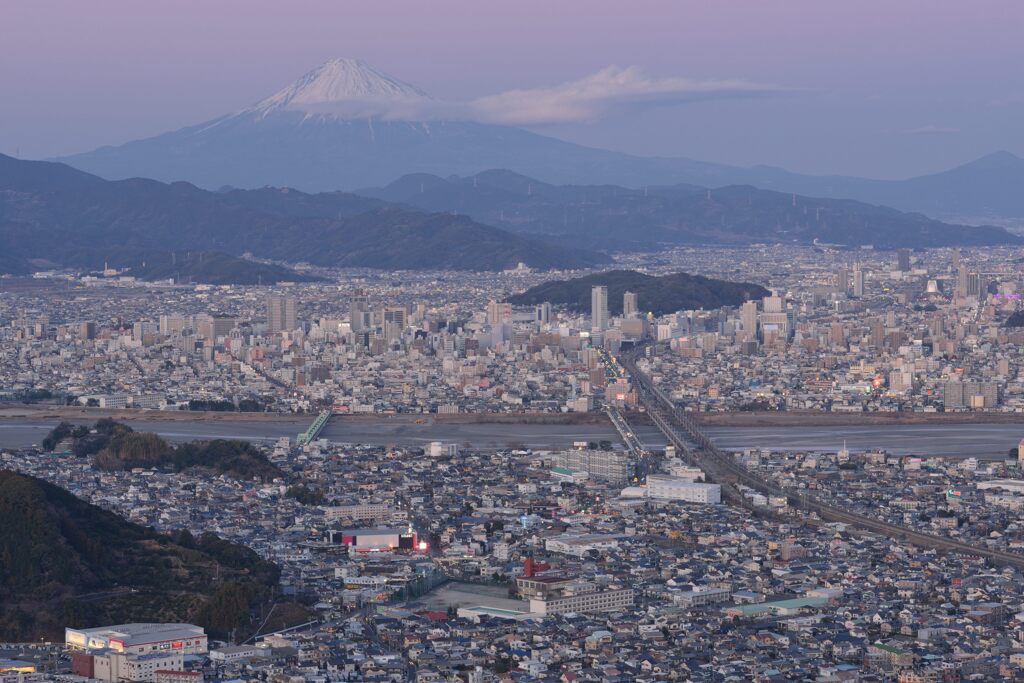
(346, 88)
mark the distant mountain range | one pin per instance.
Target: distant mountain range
(612, 216)
(60, 554)
(54, 215)
(657, 295)
(345, 125)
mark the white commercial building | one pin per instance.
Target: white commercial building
(578, 545)
(121, 666)
(138, 638)
(662, 487)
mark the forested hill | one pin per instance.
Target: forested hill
(658, 295)
(65, 562)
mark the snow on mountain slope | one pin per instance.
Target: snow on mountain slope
(349, 89)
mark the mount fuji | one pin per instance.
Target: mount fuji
(346, 125)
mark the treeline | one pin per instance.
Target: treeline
(305, 495)
(116, 446)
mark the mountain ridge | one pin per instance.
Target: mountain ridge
(612, 216)
(68, 217)
(346, 124)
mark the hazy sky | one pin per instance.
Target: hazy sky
(883, 88)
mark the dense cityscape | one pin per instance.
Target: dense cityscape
(660, 341)
(602, 558)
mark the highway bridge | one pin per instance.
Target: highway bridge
(685, 434)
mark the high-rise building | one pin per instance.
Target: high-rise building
(843, 279)
(858, 281)
(903, 260)
(630, 304)
(543, 312)
(772, 304)
(775, 321)
(599, 307)
(357, 306)
(399, 315)
(498, 313)
(748, 319)
(395, 319)
(172, 324)
(959, 394)
(968, 284)
(280, 313)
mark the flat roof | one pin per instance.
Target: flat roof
(793, 603)
(371, 532)
(138, 633)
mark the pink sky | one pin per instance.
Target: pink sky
(889, 88)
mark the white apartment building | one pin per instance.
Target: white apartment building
(600, 601)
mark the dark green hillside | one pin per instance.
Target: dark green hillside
(64, 562)
(116, 446)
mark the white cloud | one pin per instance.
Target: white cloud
(604, 93)
(932, 129)
(609, 91)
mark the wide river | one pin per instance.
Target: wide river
(952, 440)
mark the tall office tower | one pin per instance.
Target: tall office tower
(599, 307)
(630, 304)
(87, 330)
(399, 315)
(748, 318)
(843, 279)
(543, 312)
(171, 324)
(419, 314)
(967, 283)
(903, 260)
(772, 304)
(280, 313)
(974, 287)
(837, 335)
(498, 313)
(962, 275)
(954, 260)
(858, 281)
(357, 306)
(877, 333)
